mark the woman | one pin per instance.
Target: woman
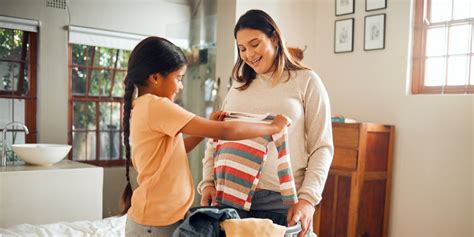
(269, 80)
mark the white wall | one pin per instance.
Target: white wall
(432, 183)
(293, 17)
(134, 16)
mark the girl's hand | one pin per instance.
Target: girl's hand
(280, 122)
(208, 197)
(218, 116)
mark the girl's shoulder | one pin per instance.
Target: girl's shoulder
(149, 99)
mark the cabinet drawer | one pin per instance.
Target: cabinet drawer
(344, 159)
(346, 136)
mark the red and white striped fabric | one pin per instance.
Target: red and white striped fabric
(238, 164)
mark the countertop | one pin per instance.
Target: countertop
(64, 164)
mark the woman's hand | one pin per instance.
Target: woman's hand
(208, 197)
(280, 122)
(302, 211)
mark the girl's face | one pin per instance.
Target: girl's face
(170, 85)
(257, 50)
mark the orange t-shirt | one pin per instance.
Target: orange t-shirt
(165, 189)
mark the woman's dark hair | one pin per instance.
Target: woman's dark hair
(152, 55)
(260, 20)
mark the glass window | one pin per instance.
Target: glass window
(18, 54)
(443, 47)
(97, 76)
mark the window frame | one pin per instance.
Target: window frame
(97, 99)
(29, 55)
(418, 57)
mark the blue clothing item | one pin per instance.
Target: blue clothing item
(133, 229)
(205, 222)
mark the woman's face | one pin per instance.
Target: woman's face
(256, 49)
(170, 85)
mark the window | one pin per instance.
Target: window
(97, 67)
(97, 75)
(18, 58)
(443, 52)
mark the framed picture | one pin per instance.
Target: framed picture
(344, 7)
(344, 35)
(372, 5)
(374, 32)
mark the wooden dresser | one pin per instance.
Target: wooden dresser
(356, 197)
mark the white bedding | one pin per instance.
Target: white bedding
(112, 226)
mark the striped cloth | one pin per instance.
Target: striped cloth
(238, 164)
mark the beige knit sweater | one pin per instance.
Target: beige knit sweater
(305, 101)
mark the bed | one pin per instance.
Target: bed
(111, 226)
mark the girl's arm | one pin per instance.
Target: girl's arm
(233, 130)
(191, 142)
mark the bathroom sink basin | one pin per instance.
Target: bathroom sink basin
(41, 154)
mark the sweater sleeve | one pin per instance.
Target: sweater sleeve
(319, 143)
(208, 160)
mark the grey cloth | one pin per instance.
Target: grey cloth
(266, 204)
(133, 229)
(205, 222)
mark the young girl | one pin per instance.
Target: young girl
(153, 138)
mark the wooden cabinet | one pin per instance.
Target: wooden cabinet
(356, 197)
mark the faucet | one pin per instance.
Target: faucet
(3, 161)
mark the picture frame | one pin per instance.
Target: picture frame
(374, 32)
(344, 7)
(344, 35)
(372, 5)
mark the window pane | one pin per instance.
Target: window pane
(26, 81)
(9, 73)
(440, 10)
(104, 57)
(472, 9)
(459, 37)
(79, 79)
(83, 149)
(109, 145)
(81, 54)
(436, 41)
(119, 90)
(123, 59)
(457, 70)
(19, 108)
(461, 9)
(109, 116)
(434, 71)
(6, 114)
(471, 81)
(10, 44)
(100, 83)
(110, 139)
(84, 115)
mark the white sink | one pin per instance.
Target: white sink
(41, 154)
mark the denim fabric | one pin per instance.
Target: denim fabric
(205, 222)
(133, 229)
(269, 205)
